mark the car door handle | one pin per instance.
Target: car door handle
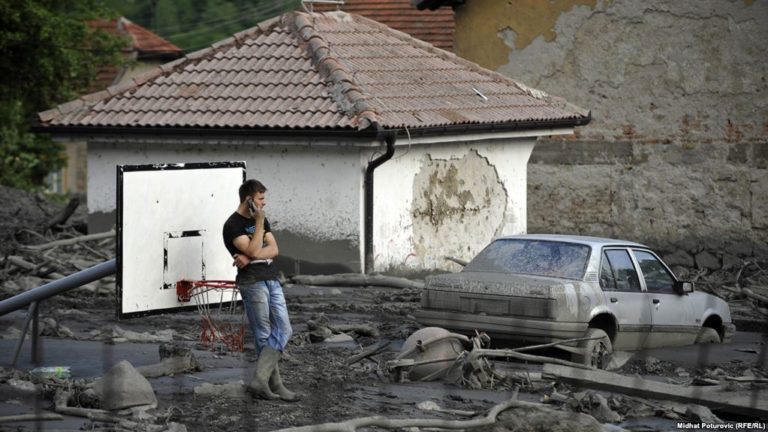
(656, 301)
(614, 299)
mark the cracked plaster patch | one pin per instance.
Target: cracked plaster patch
(456, 195)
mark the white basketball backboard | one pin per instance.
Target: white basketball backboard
(169, 224)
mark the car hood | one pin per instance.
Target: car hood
(497, 283)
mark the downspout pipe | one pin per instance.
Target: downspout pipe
(389, 137)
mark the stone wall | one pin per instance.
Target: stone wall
(702, 204)
(677, 153)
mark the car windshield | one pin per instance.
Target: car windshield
(533, 257)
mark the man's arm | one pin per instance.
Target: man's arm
(270, 250)
(251, 247)
(266, 252)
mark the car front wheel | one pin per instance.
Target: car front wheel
(707, 335)
(597, 349)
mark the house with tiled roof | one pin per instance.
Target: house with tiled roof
(380, 151)
(143, 51)
(435, 27)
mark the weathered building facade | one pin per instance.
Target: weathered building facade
(380, 151)
(677, 153)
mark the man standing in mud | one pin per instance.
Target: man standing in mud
(249, 239)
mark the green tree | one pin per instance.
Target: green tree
(50, 55)
(195, 24)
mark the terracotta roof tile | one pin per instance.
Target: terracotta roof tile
(140, 41)
(329, 70)
(146, 42)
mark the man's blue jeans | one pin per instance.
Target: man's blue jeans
(267, 314)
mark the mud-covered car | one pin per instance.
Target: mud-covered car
(545, 288)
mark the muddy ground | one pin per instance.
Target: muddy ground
(331, 389)
(81, 331)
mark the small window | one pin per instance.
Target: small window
(657, 278)
(623, 273)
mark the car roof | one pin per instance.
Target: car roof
(586, 240)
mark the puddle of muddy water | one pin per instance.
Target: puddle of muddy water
(86, 359)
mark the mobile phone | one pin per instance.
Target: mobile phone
(251, 206)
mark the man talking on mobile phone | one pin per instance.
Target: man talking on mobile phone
(249, 239)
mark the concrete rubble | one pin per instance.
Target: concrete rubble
(124, 387)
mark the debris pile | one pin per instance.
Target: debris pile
(122, 399)
(45, 245)
(743, 286)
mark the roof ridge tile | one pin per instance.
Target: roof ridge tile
(346, 93)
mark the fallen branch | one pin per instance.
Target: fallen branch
(411, 362)
(62, 217)
(478, 353)
(458, 261)
(746, 379)
(431, 406)
(746, 292)
(369, 352)
(355, 279)
(31, 417)
(386, 423)
(71, 241)
(26, 265)
(754, 296)
(361, 329)
(551, 344)
(753, 403)
(60, 406)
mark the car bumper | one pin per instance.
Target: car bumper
(729, 329)
(524, 329)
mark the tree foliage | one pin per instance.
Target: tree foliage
(50, 55)
(195, 24)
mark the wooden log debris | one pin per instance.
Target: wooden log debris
(355, 279)
(70, 241)
(752, 403)
(387, 423)
(496, 353)
(36, 269)
(369, 352)
(31, 417)
(65, 214)
(458, 261)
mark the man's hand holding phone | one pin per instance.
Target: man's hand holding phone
(256, 213)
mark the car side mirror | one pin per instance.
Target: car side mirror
(683, 287)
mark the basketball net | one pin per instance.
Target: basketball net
(222, 319)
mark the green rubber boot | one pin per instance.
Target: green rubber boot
(276, 385)
(259, 385)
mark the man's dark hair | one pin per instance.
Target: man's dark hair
(251, 187)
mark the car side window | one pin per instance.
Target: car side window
(620, 273)
(657, 278)
(607, 280)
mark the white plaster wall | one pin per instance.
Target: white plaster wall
(312, 191)
(395, 246)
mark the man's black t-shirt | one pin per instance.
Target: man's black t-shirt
(236, 226)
